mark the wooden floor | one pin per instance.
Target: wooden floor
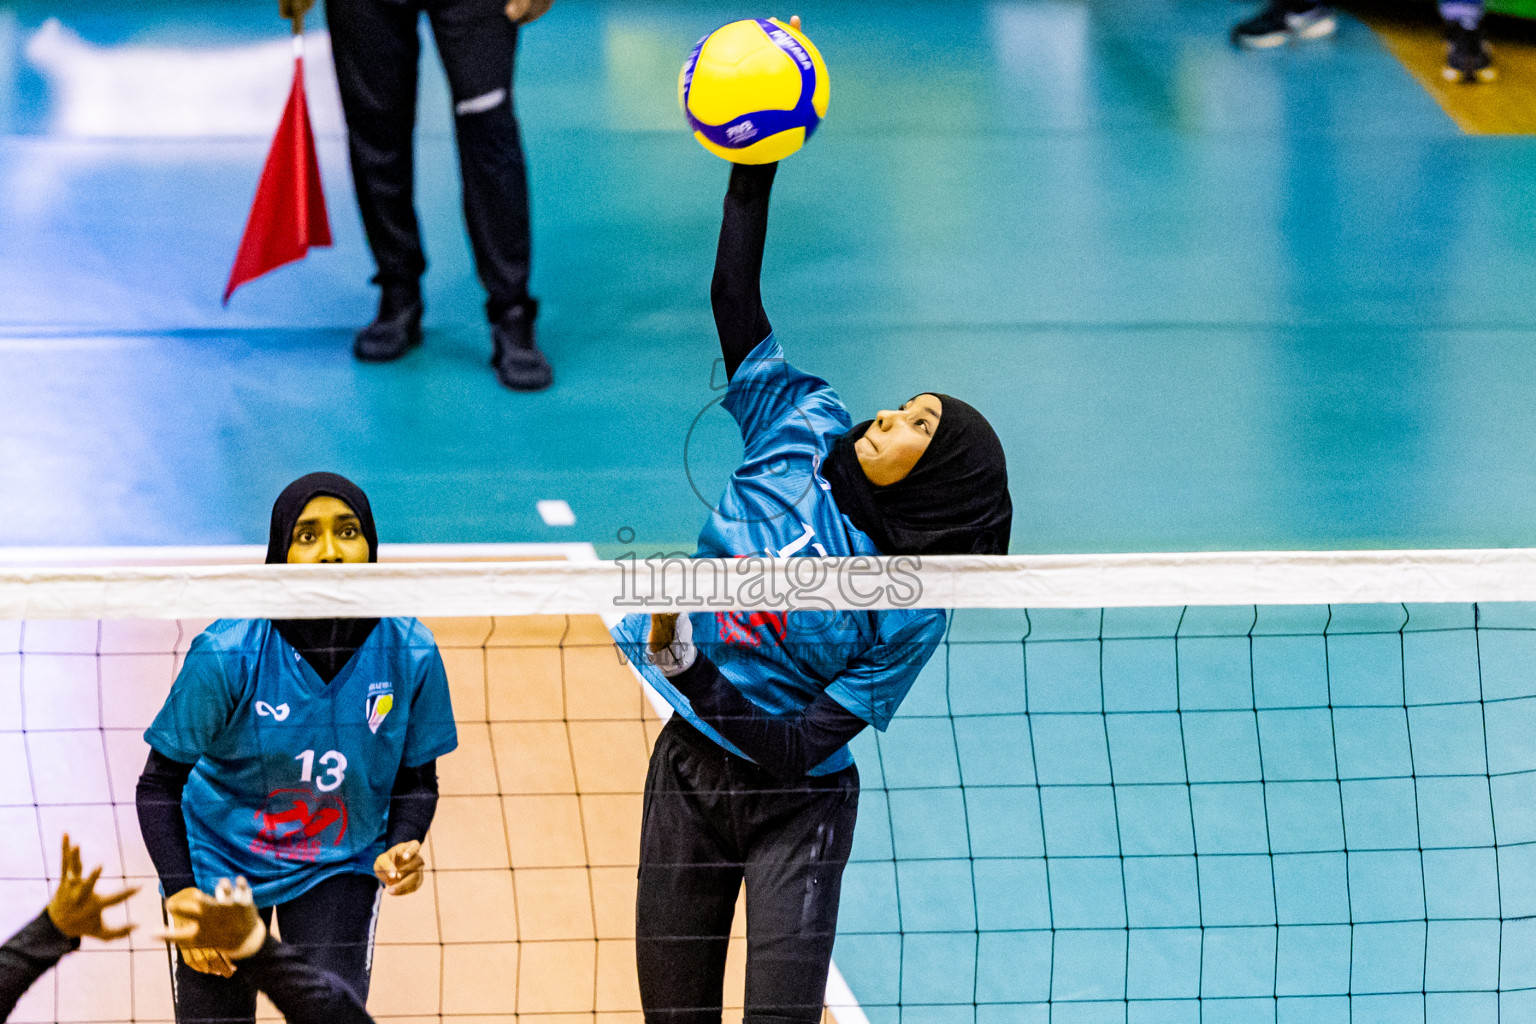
(528, 911)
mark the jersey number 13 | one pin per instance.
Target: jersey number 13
(333, 765)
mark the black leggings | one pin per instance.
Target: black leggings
(375, 47)
(332, 924)
(711, 820)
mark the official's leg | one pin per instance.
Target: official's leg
(334, 923)
(794, 874)
(375, 48)
(478, 44)
(1467, 58)
(689, 880)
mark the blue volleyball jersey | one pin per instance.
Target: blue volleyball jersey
(291, 776)
(777, 504)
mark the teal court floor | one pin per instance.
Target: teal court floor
(1211, 299)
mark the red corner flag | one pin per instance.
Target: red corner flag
(288, 215)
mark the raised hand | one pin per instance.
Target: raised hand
(223, 927)
(182, 909)
(401, 868)
(663, 631)
(75, 908)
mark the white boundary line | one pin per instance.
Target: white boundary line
(568, 579)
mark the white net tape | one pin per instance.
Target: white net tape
(675, 583)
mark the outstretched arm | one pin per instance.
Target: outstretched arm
(164, 827)
(27, 956)
(74, 910)
(786, 746)
(411, 808)
(735, 293)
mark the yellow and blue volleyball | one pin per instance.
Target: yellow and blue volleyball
(754, 91)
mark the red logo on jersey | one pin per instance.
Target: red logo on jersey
(741, 627)
(296, 823)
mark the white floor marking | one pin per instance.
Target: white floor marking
(841, 1000)
(555, 512)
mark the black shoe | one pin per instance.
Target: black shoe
(397, 328)
(519, 363)
(1467, 59)
(1277, 25)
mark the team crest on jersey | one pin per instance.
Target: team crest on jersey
(381, 699)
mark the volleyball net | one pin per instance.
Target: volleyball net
(1146, 788)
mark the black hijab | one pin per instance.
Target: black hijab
(327, 644)
(954, 502)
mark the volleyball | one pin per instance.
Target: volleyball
(754, 91)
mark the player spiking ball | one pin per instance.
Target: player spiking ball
(752, 778)
(300, 754)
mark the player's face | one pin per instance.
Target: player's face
(328, 531)
(897, 439)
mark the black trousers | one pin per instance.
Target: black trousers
(332, 924)
(711, 820)
(375, 47)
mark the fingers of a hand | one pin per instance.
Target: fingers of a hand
(179, 932)
(72, 866)
(118, 897)
(794, 21)
(208, 961)
(407, 885)
(185, 906)
(197, 959)
(113, 934)
(188, 897)
(89, 885)
(663, 631)
(398, 859)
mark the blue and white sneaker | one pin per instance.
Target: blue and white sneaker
(1276, 25)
